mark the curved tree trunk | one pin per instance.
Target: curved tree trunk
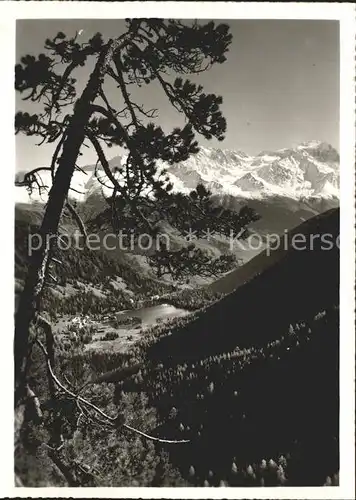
(75, 135)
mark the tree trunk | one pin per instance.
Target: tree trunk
(75, 136)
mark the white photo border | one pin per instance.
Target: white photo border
(345, 14)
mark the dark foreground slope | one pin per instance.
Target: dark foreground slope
(288, 286)
(266, 258)
(253, 381)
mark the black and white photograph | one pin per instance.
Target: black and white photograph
(178, 313)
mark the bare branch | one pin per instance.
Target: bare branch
(47, 328)
(68, 381)
(56, 261)
(113, 420)
(76, 190)
(77, 167)
(34, 402)
(110, 114)
(153, 438)
(77, 219)
(150, 113)
(32, 178)
(59, 448)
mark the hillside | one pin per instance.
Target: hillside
(86, 281)
(262, 415)
(286, 287)
(252, 380)
(268, 257)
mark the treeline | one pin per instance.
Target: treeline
(86, 302)
(88, 266)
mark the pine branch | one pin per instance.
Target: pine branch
(110, 175)
(118, 65)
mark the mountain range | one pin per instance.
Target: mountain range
(309, 170)
(285, 187)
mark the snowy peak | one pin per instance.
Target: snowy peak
(310, 169)
(321, 151)
(249, 182)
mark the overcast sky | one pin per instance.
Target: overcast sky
(280, 84)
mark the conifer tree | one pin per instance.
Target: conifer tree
(149, 50)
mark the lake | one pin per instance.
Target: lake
(152, 314)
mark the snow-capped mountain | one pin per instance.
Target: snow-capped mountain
(311, 169)
(308, 170)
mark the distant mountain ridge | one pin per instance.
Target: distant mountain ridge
(309, 170)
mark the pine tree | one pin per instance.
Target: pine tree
(147, 51)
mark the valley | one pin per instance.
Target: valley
(226, 362)
(116, 332)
